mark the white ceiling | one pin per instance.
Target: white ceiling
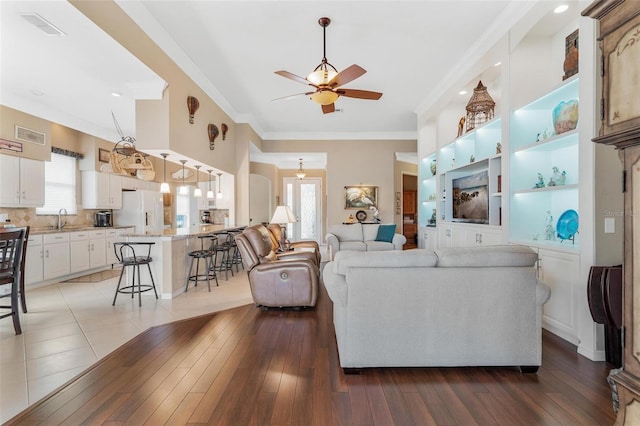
(412, 51)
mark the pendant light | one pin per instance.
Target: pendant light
(209, 192)
(197, 192)
(183, 189)
(301, 173)
(219, 194)
(164, 186)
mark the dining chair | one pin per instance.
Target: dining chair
(12, 241)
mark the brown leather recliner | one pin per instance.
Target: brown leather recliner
(276, 233)
(290, 280)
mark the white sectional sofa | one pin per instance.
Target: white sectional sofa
(360, 237)
(454, 307)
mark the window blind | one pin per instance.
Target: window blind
(60, 185)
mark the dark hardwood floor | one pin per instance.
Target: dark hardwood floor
(246, 366)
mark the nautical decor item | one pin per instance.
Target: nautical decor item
(480, 107)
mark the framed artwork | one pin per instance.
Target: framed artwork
(10, 145)
(103, 155)
(359, 197)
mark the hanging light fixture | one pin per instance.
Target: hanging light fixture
(209, 192)
(301, 173)
(219, 194)
(164, 186)
(197, 192)
(183, 189)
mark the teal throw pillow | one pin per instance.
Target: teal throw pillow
(386, 232)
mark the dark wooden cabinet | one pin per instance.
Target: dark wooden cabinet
(620, 44)
(408, 202)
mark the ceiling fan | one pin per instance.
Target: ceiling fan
(327, 81)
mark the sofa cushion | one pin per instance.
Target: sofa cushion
(385, 233)
(378, 245)
(353, 245)
(369, 231)
(379, 259)
(501, 255)
(351, 232)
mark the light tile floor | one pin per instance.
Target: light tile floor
(71, 325)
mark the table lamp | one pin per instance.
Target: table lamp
(283, 216)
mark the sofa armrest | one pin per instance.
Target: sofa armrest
(333, 245)
(398, 241)
(543, 293)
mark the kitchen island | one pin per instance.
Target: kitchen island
(170, 255)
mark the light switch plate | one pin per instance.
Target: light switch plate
(609, 225)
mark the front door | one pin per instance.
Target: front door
(304, 197)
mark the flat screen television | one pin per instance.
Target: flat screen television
(471, 198)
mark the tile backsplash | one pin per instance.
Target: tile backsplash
(24, 217)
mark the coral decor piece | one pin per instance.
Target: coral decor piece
(213, 131)
(192, 105)
(225, 129)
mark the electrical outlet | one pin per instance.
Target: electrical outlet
(609, 225)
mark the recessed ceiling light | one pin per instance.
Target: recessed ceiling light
(497, 64)
(462, 92)
(116, 94)
(561, 8)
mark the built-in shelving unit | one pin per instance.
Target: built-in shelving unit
(427, 191)
(533, 155)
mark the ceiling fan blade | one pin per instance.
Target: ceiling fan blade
(326, 109)
(360, 94)
(292, 96)
(346, 75)
(291, 76)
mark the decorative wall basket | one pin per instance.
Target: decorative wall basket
(565, 116)
(192, 105)
(213, 132)
(480, 107)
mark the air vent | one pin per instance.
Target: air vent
(32, 136)
(41, 23)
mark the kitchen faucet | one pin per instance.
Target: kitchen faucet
(60, 224)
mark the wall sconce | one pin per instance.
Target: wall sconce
(183, 189)
(209, 192)
(164, 186)
(197, 192)
(213, 131)
(192, 105)
(225, 129)
(219, 194)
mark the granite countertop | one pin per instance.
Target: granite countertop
(50, 230)
(178, 233)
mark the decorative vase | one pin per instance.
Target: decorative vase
(565, 116)
(433, 167)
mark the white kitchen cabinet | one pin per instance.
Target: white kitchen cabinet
(110, 238)
(101, 190)
(22, 182)
(152, 186)
(33, 261)
(428, 239)
(450, 236)
(132, 183)
(97, 248)
(79, 251)
(55, 255)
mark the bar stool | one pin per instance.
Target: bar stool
(207, 256)
(236, 258)
(12, 242)
(222, 250)
(126, 255)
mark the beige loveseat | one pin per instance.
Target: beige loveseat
(454, 307)
(360, 237)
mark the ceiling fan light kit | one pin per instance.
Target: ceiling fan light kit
(327, 81)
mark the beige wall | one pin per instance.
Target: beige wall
(351, 162)
(608, 203)
(403, 169)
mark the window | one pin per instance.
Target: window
(59, 185)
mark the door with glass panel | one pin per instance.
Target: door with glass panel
(304, 197)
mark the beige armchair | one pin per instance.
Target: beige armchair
(288, 280)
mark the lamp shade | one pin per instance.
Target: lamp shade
(283, 214)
